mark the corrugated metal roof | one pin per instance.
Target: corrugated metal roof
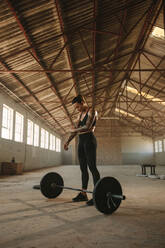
(52, 50)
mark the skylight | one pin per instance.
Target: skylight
(127, 114)
(158, 32)
(147, 96)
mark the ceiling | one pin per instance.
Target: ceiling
(52, 50)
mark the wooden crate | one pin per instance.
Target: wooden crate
(11, 168)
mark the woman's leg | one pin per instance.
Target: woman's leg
(82, 196)
(90, 152)
(83, 165)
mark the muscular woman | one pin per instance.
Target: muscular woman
(86, 147)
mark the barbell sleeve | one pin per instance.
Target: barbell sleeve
(121, 197)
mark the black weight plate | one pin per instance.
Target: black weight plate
(102, 187)
(47, 185)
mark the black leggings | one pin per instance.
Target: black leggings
(87, 157)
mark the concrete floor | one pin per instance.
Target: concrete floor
(29, 220)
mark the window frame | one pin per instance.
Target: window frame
(21, 133)
(36, 135)
(9, 122)
(58, 145)
(46, 139)
(44, 142)
(156, 146)
(160, 146)
(31, 136)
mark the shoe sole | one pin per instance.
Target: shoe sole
(79, 200)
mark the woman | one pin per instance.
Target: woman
(86, 147)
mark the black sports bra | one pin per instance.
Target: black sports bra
(83, 122)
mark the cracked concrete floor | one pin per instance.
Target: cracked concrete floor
(29, 220)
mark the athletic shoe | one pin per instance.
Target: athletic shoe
(80, 197)
(90, 202)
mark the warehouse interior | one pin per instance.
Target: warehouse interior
(113, 54)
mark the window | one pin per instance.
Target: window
(42, 145)
(164, 145)
(7, 122)
(58, 145)
(52, 142)
(44, 139)
(19, 119)
(160, 146)
(156, 146)
(36, 135)
(29, 132)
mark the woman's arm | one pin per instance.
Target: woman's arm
(91, 117)
(73, 134)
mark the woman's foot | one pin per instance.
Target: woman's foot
(80, 197)
(90, 202)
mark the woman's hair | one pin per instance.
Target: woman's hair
(78, 99)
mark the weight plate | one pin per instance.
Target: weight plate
(103, 203)
(48, 185)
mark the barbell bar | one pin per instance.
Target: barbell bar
(107, 193)
(122, 197)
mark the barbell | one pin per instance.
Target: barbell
(107, 193)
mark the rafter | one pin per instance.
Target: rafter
(8, 71)
(38, 59)
(149, 87)
(16, 78)
(118, 44)
(66, 40)
(143, 35)
(94, 52)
